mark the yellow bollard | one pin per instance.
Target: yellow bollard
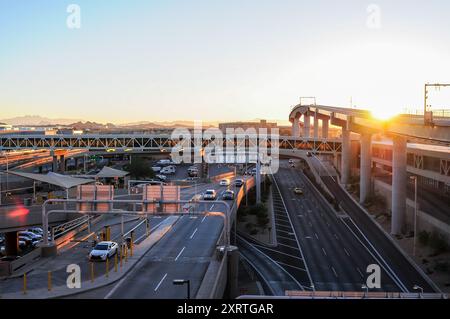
(92, 272)
(126, 253)
(107, 267)
(49, 279)
(132, 244)
(24, 283)
(121, 254)
(115, 262)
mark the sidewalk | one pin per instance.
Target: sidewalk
(37, 289)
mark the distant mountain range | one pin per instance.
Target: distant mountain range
(37, 120)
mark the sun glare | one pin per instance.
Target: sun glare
(384, 114)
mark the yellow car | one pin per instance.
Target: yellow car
(298, 191)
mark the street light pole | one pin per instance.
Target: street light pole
(416, 287)
(414, 178)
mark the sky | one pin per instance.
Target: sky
(219, 60)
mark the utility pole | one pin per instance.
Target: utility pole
(427, 112)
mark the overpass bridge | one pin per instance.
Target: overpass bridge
(401, 129)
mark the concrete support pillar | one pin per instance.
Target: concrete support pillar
(365, 167)
(62, 163)
(76, 162)
(11, 244)
(399, 181)
(306, 127)
(316, 126)
(40, 169)
(296, 127)
(325, 128)
(233, 271)
(345, 158)
(55, 164)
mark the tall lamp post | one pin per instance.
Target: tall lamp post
(181, 282)
(414, 178)
(428, 115)
(416, 287)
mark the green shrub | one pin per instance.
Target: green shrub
(424, 237)
(442, 266)
(438, 243)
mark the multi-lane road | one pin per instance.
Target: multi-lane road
(337, 246)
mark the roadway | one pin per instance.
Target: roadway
(184, 252)
(336, 260)
(379, 244)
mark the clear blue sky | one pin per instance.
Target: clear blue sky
(217, 60)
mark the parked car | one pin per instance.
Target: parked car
(104, 250)
(161, 177)
(156, 169)
(210, 194)
(224, 182)
(291, 161)
(239, 182)
(228, 195)
(298, 191)
(308, 154)
(168, 170)
(30, 234)
(36, 230)
(27, 241)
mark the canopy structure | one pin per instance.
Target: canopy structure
(63, 181)
(108, 172)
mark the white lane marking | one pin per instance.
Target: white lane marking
(192, 236)
(335, 273)
(292, 247)
(288, 265)
(346, 252)
(336, 236)
(282, 237)
(203, 218)
(160, 282)
(324, 252)
(360, 273)
(179, 254)
(317, 236)
(212, 206)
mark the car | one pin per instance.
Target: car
(253, 171)
(224, 182)
(27, 241)
(239, 182)
(164, 162)
(161, 177)
(36, 230)
(228, 195)
(308, 154)
(30, 234)
(210, 194)
(291, 161)
(104, 250)
(298, 191)
(156, 169)
(168, 170)
(192, 172)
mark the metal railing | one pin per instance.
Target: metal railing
(62, 229)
